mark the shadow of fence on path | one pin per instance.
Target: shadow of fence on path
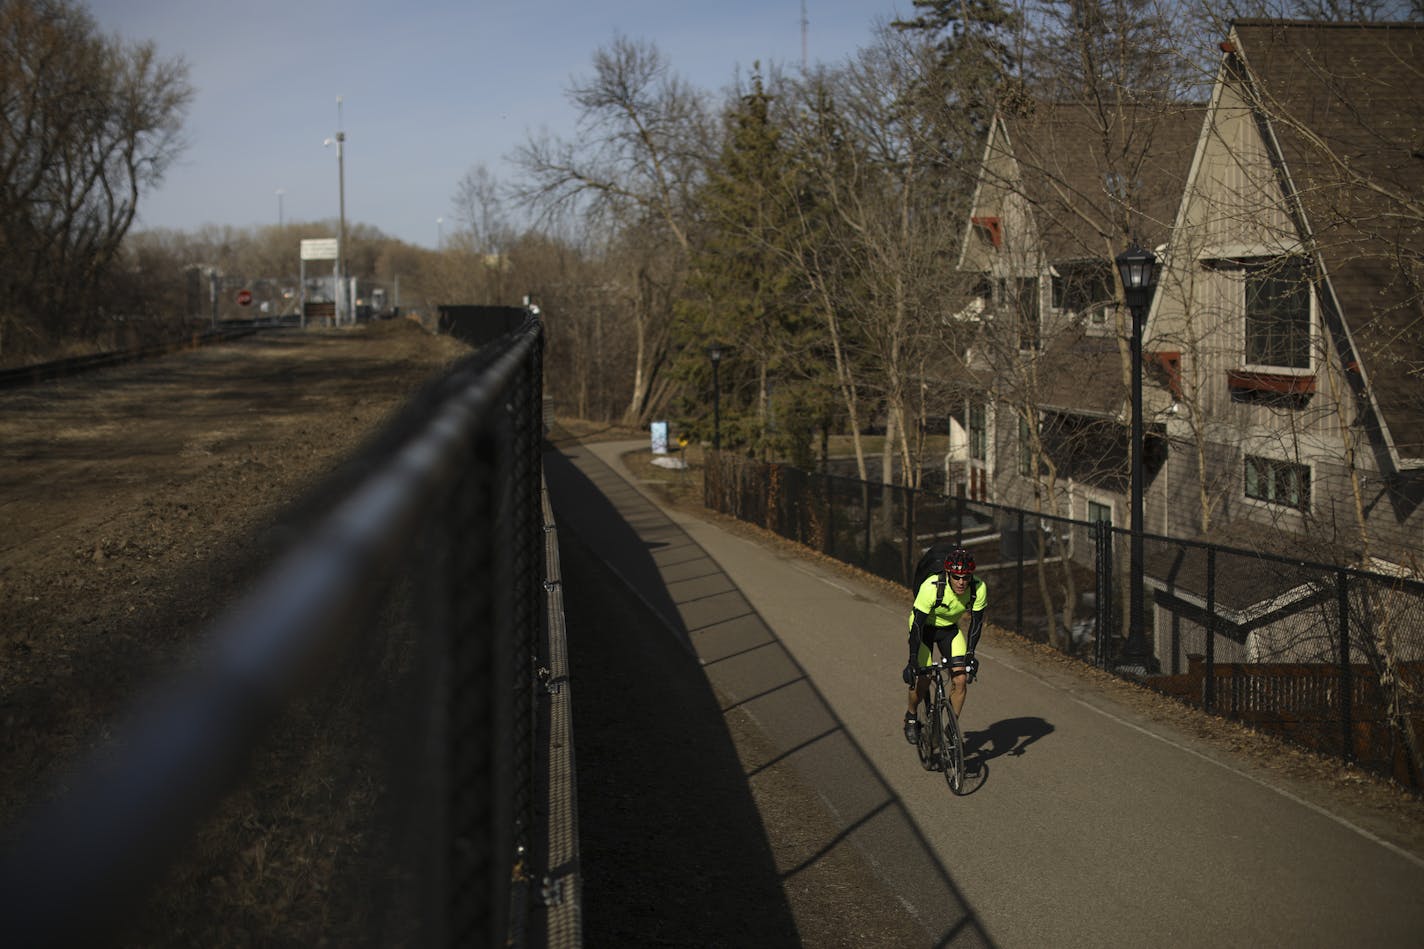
(750, 672)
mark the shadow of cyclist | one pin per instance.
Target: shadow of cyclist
(1008, 737)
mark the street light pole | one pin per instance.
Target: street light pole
(280, 192)
(715, 352)
(342, 304)
(341, 293)
(1138, 269)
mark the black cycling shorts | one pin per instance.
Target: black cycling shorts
(952, 642)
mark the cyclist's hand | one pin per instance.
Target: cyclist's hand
(971, 666)
(908, 674)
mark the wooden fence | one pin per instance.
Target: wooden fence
(1313, 705)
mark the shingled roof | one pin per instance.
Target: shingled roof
(1074, 372)
(1090, 176)
(1089, 172)
(1344, 104)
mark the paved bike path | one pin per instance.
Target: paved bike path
(1089, 825)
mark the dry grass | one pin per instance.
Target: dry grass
(140, 503)
(582, 430)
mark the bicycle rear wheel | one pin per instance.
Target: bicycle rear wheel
(951, 746)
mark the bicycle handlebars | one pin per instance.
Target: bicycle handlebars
(943, 663)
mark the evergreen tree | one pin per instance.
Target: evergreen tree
(745, 292)
(1125, 50)
(977, 47)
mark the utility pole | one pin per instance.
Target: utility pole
(342, 291)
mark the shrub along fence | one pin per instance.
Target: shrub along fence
(1326, 656)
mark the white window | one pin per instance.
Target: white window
(1281, 483)
(1278, 314)
(1083, 289)
(978, 432)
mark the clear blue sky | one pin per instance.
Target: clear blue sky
(429, 90)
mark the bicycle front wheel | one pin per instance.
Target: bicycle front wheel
(925, 746)
(951, 746)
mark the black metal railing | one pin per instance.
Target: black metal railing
(357, 757)
(1329, 657)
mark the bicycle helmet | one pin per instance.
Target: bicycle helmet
(959, 562)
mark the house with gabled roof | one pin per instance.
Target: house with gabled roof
(1291, 300)
(1291, 306)
(1061, 188)
(1284, 345)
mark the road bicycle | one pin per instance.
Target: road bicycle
(940, 744)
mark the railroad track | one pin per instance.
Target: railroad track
(77, 365)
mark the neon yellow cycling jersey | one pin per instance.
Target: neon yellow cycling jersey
(945, 617)
(952, 606)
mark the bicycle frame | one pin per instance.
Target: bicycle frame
(941, 746)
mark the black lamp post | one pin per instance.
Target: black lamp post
(1138, 269)
(715, 352)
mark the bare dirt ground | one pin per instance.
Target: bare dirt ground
(136, 503)
(127, 491)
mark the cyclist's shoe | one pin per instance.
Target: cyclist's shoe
(912, 729)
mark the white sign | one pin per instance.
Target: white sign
(322, 248)
(660, 437)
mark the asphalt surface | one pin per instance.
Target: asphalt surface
(1087, 824)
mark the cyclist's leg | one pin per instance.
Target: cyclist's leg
(958, 648)
(922, 683)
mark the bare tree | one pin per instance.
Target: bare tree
(1112, 51)
(1327, 11)
(480, 205)
(88, 124)
(875, 254)
(643, 144)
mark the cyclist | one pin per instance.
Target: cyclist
(948, 611)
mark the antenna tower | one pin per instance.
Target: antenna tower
(805, 25)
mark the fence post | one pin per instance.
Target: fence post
(1099, 636)
(1209, 693)
(865, 553)
(959, 517)
(1102, 544)
(909, 558)
(1018, 608)
(767, 500)
(1347, 691)
(830, 515)
(804, 516)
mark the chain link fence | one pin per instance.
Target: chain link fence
(1328, 657)
(362, 754)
